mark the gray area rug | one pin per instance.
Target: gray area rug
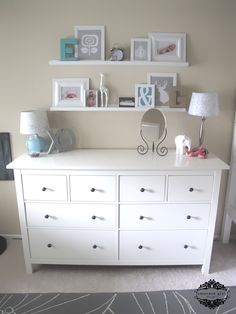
(159, 302)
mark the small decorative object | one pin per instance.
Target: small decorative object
(91, 98)
(91, 42)
(69, 49)
(182, 142)
(70, 92)
(145, 95)
(163, 82)
(200, 152)
(5, 157)
(168, 46)
(140, 49)
(104, 92)
(176, 99)
(126, 102)
(116, 53)
(203, 105)
(62, 140)
(34, 123)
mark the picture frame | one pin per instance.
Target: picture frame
(91, 40)
(140, 49)
(163, 82)
(168, 46)
(91, 98)
(70, 92)
(126, 102)
(68, 49)
(145, 95)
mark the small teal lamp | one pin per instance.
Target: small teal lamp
(34, 123)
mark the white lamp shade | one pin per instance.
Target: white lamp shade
(204, 104)
(33, 122)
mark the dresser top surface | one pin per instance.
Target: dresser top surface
(115, 159)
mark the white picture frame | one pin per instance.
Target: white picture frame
(140, 49)
(145, 95)
(169, 47)
(91, 42)
(162, 82)
(69, 92)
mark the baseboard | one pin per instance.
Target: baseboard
(12, 236)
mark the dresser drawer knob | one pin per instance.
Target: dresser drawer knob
(49, 245)
(142, 190)
(94, 217)
(44, 189)
(140, 247)
(188, 217)
(185, 246)
(46, 216)
(191, 189)
(95, 246)
(92, 190)
(141, 217)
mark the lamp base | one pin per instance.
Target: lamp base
(35, 145)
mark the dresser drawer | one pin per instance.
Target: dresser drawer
(93, 188)
(164, 216)
(142, 188)
(190, 188)
(73, 244)
(45, 187)
(169, 246)
(71, 215)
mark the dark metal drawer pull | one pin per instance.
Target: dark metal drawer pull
(185, 246)
(191, 189)
(49, 245)
(140, 247)
(95, 246)
(142, 190)
(44, 189)
(188, 217)
(92, 190)
(46, 216)
(141, 217)
(94, 217)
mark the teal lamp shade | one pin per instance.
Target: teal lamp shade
(34, 124)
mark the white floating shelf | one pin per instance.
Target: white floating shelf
(118, 63)
(114, 109)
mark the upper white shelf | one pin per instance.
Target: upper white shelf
(118, 63)
(115, 109)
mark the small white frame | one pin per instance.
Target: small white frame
(91, 42)
(162, 82)
(140, 49)
(69, 92)
(168, 46)
(91, 98)
(145, 95)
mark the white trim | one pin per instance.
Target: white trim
(11, 236)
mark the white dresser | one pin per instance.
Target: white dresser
(116, 207)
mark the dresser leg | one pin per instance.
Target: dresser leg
(29, 268)
(205, 269)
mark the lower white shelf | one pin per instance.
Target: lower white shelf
(115, 109)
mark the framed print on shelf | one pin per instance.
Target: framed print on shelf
(145, 95)
(91, 42)
(70, 92)
(126, 102)
(68, 49)
(140, 49)
(91, 98)
(168, 46)
(163, 82)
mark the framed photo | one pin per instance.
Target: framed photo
(168, 46)
(145, 95)
(127, 102)
(163, 82)
(91, 40)
(70, 92)
(91, 98)
(69, 49)
(140, 49)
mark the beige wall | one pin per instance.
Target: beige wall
(29, 37)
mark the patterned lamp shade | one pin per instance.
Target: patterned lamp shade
(33, 122)
(204, 104)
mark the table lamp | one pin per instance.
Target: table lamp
(34, 123)
(203, 105)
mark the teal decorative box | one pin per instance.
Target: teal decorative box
(69, 49)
